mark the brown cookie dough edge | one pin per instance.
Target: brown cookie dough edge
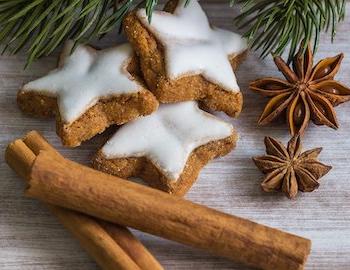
(115, 110)
(151, 57)
(146, 170)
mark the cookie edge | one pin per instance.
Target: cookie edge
(145, 169)
(95, 120)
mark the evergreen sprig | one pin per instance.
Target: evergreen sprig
(273, 25)
(42, 25)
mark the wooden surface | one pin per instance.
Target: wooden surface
(30, 238)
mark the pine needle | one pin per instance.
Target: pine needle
(275, 26)
(272, 25)
(42, 25)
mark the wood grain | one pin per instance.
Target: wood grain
(30, 238)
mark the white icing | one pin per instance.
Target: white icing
(85, 77)
(193, 47)
(167, 137)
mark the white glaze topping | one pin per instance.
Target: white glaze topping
(192, 46)
(85, 77)
(167, 137)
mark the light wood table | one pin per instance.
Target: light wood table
(31, 238)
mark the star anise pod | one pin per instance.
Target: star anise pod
(308, 93)
(288, 169)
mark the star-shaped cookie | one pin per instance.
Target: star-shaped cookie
(91, 90)
(167, 148)
(184, 58)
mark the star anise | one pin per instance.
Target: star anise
(288, 169)
(308, 93)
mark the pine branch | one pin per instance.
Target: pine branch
(42, 25)
(273, 25)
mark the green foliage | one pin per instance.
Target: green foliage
(43, 25)
(275, 25)
(272, 25)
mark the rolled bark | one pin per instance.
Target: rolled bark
(70, 185)
(112, 246)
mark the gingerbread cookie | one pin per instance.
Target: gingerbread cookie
(91, 90)
(183, 58)
(168, 148)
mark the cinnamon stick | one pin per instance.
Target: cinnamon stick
(59, 181)
(122, 236)
(112, 246)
